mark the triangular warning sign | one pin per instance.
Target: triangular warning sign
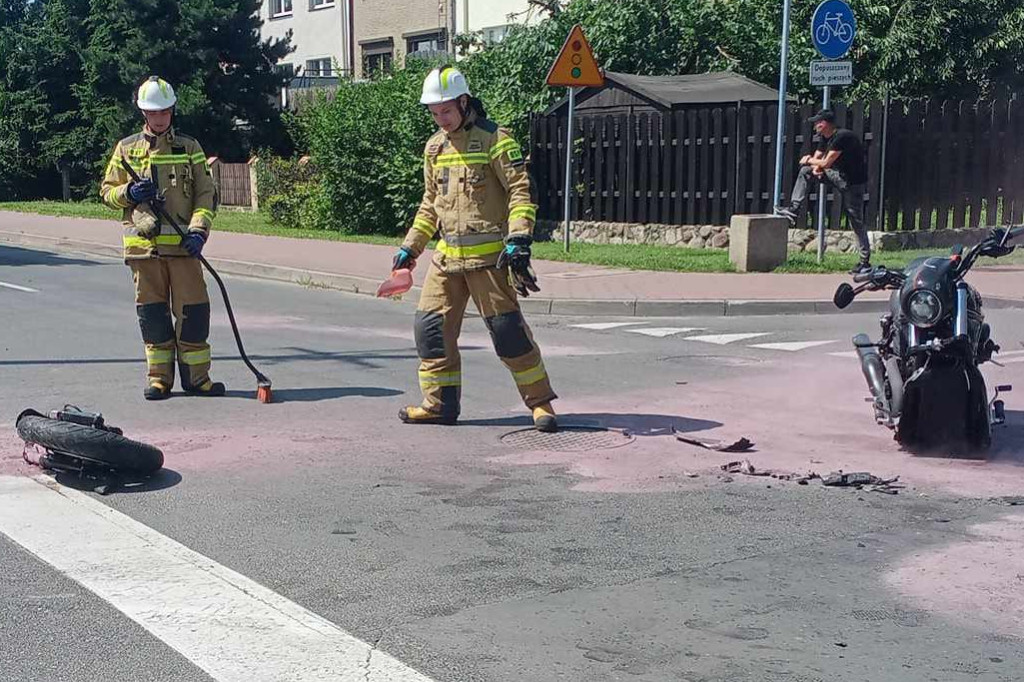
(576, 66)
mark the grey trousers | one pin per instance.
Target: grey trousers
(851, 196)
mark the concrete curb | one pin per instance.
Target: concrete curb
(535, 306)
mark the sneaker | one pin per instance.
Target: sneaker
(212, 389)
(863, 266)
(157, 391)
(416, 414)
(544, 418)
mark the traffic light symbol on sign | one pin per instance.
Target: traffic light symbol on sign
(575, 65)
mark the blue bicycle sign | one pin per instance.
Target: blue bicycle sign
(833, 28)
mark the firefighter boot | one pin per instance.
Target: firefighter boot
(419, 415)
(544, 418)
(157, 391)
(213, 389)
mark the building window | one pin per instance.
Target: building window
(426, 43)
(320, 4)
(287, 71)
(280, 8)
(495, 34)
(319, 67)
(378, 57)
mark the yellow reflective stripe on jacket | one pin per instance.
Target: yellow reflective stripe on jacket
(131, 241)
(429, 378)
(469, 251)
(198, 157)
(452, 160)
(159, 356)
(196, 357)
(111, 197)
(506, 145)
(204, 213)
(168, 159)
(474, 239)
(424, 226)
(528, 211)
(530, 376)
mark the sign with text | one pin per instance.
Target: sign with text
(829, 73)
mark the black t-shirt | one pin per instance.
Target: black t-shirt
(850, 163)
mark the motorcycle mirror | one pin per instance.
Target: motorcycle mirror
(844, 296)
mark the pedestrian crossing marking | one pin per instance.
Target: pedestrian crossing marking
(792, 346)
(724, 339)
(662, 332)
(602, 326)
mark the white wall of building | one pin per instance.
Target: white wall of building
(490, 16)
(319, 30)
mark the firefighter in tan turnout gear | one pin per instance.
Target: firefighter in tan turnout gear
(477, 202)
(165, 267)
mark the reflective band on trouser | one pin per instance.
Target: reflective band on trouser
(530, 376)
(452, 160)
(195, 357)
(523, 211)
(131, 241)
(159, 356)
(424, 226)
(469, 251)
(430, 379)
(506, 145)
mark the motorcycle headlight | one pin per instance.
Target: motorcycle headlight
(924, 308)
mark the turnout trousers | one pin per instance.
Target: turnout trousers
(438, 324)
(163, 285)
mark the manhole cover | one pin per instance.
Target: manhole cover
(568, 439)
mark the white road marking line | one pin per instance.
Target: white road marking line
(602, 326)
(1005, 354)
(1011, 361)
(662, 332)
(17, 287)
(792, 346)
(230, 626)
(723, 339)
(846, 354)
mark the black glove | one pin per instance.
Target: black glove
(993, 249)
(516, 256)
(142, 190)
(404, 259)
(194, 243)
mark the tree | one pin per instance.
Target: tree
(69, 68)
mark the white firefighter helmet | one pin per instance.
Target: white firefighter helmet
(156, 94)
(444, 85)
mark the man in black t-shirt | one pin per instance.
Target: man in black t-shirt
(838, 161)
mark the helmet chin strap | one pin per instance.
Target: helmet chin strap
(463, 111)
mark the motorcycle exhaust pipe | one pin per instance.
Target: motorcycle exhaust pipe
(873, 368)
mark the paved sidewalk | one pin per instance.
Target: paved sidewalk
(566, 288)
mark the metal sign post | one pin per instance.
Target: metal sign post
(822, 192)
(832, 30)
(574, 67)
(568, 165)
(780, 129)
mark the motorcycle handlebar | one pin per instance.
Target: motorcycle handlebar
(865, 276)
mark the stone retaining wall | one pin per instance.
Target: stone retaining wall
(717, 236)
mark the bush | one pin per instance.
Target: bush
(366, 140)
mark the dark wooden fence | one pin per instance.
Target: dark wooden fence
(234, 183)
(950, 164)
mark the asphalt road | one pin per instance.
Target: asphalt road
(483, 552)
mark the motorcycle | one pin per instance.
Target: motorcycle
(923, 373)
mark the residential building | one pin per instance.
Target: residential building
(492, 19)
(385, 33)
(321, 36)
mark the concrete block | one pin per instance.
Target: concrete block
(758, 243)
